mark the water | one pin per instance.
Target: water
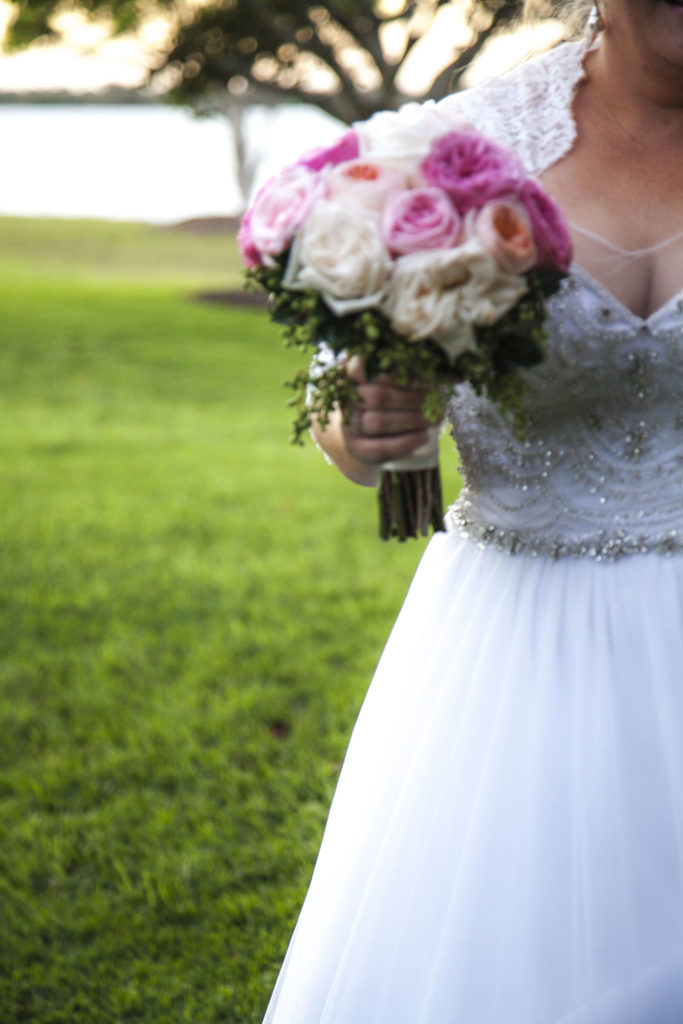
(151, 163)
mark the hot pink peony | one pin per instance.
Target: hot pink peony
(345, 148)
(421, 218)
(472, 170)
(551, 232)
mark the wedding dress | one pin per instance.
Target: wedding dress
(506, 841)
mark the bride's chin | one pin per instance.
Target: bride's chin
(672, 10)
(665, 30)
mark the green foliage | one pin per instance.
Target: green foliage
(190, 610)
(517, 340)
(34, 19)
(307, 321)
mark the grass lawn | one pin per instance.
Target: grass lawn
(191, 611)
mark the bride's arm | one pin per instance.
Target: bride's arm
(386, 423)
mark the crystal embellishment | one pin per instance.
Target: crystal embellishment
(599, 473)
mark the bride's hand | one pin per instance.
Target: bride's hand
(387, 421)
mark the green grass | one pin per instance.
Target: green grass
(191, 611)
(106, 252)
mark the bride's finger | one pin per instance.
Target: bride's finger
(374, 450)
(355, 370)
(387, 396)
(371, 423)
(382, 390)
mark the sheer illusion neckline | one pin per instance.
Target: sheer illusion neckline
(645, 251)
(676, 299)
(611, 300)
(619, 250)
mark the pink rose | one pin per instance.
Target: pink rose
(504, 230)
(472, 169)
(250, 254)
(364, 183)
(278, 212)
(419, 219)
(345, 148)
(551, 233)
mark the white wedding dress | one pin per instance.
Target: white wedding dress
(506, 841)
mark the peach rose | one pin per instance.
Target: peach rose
(364, 183)
(504, 229)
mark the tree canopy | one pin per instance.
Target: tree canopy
(344, 56)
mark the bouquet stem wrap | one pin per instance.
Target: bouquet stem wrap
(410, 498)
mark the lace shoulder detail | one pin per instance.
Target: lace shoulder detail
(529, 109)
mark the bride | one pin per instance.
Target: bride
(506, 841)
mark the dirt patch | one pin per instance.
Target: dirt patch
(206, 226)
(219, 226)
(257, 299)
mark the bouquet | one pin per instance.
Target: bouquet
(423, 247)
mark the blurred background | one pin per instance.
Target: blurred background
(191, 607)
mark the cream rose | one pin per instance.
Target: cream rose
(445, 293)
(403, 137)
(341, 254)
(489, 292)
(423, 299)
(504, 229)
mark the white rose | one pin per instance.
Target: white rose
(489, 291)
(340, 254)
(421, 304)
(444, 293)
(403, 137)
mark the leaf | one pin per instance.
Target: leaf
(548, 279)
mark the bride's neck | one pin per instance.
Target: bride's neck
(639, 92)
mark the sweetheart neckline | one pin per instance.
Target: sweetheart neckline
(611, 299)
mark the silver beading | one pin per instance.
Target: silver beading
(600, 471)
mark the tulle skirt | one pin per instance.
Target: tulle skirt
(505, 845)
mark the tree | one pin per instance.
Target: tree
(344, 56)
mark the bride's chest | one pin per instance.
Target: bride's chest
(626, 217)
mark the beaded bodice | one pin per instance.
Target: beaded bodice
(600, 468)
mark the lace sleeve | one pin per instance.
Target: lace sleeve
(529, 109)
